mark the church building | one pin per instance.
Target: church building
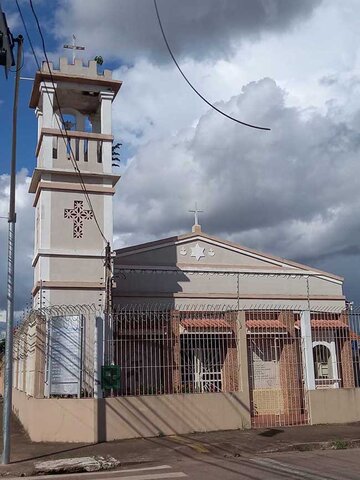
(291, 343)
(158, 338)
(199, 269)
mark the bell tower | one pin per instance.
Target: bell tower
(73, 182)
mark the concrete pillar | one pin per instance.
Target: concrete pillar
(47, 92)
(244, 365)
(289, 365)
(40, 350)
(307, 350)
(231, 363)
(175, 385)
(39, 116)
(346, 362)
(346, 355)
(106, 99)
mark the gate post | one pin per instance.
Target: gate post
(243, 362)
(98, 355)
(307, 349)
(289, 370)
(175, 386)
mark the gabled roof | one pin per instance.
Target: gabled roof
(199, 235)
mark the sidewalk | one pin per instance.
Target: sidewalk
(232, 443)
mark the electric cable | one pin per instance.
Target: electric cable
(192, 86)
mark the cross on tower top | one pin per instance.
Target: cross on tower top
(196, 217)
(74, 47)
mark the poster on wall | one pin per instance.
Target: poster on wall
(266, 373)
(65, 355)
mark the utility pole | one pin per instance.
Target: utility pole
(8, 380)
(108, 331)
(108, 278)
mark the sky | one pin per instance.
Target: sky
(289, 65)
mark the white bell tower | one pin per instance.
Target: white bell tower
(73, 182)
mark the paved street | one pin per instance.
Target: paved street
(317, 465)
(237, 454)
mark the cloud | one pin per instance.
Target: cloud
(24, 239)
(198, 29)
(290, 191)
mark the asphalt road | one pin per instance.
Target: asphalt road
(316, 465)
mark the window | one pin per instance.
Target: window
(322, 363)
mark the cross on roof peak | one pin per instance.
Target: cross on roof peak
(73, 47)
(196, 211)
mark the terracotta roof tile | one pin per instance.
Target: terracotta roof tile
(265, 324)
(354, 336)
(328, 324)
(201, 323)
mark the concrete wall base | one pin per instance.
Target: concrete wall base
(91, 421)
(334, 405)
(55, 420)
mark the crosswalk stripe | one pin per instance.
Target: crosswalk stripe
(154, 476)
(117, 474)
(287, 468)
(142, 469)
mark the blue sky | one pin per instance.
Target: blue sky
(27, 121)
(27, 126)
(293, 192)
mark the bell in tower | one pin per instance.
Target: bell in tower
(73, 182)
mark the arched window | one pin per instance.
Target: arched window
(322, 362)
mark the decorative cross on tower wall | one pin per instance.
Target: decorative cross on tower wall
(78, 214)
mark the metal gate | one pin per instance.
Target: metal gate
(202, 368)
(276, 378)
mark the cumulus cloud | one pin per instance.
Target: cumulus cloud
(289, 191)
(196, 28)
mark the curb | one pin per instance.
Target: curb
(338, 444)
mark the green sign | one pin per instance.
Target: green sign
(110, 377)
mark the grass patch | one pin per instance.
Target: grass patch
(339, 444)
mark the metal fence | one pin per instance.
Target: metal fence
(336, 342)
(276, 373)
(60, 351)
(54, 352)
(163, 351)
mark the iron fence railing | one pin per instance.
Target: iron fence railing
(67, 351)
(53, 353)
(166, 351)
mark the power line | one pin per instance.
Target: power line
(28, 35)
(62, 128)
(192, 86)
